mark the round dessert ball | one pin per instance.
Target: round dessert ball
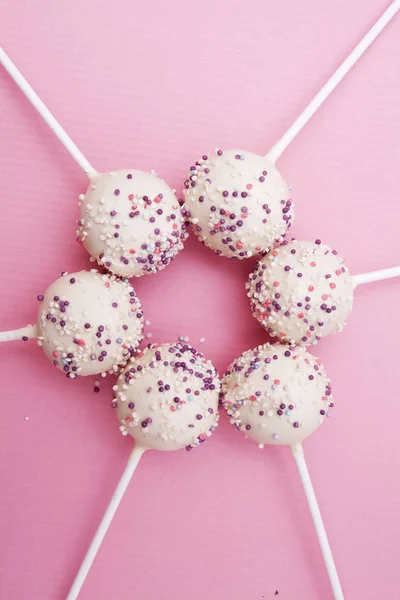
(89, 323)
(301, 292)
(131, 222)
(277, 394)
(167, 397)
(238, 203)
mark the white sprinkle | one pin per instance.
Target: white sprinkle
(149, 335)
(26, 418)
(202, 340)
(147, 323)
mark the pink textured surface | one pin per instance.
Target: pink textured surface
(153, 85)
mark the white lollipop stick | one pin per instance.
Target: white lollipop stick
(45, 113)
(105, 523)
(278, 149)
(301, 464)
(376, 276)
(30, 331)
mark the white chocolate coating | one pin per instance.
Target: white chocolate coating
(277, 394)
(167, 397)
(89, 323)
(301, 292)
(131, 222)
(239, 203)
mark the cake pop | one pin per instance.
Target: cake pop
(303, 291)
(280, 394)
(87, 323)
(130, 221)
(237, 202)
(277, 394)
(166, 399)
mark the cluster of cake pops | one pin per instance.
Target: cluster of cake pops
(166, 397)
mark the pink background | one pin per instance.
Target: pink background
(154, 85)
